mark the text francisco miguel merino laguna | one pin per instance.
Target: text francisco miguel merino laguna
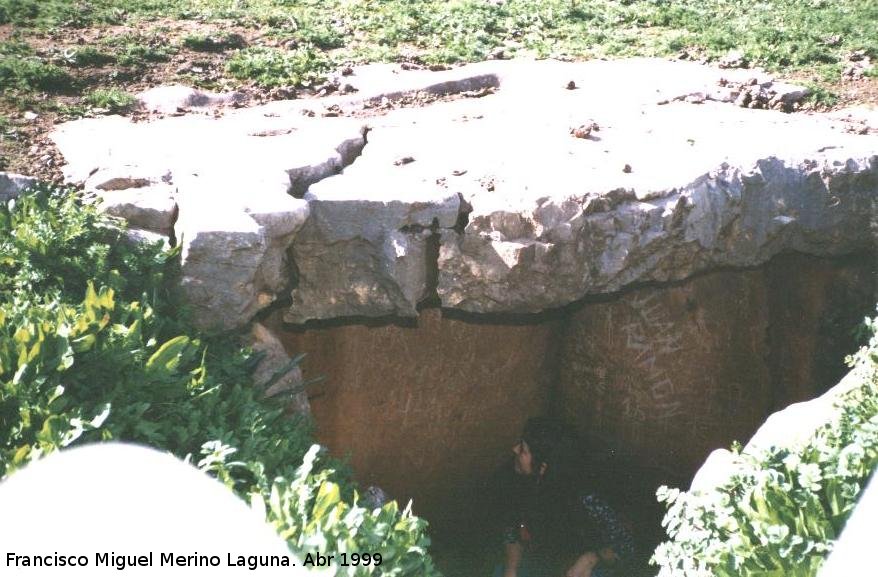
(251, 562)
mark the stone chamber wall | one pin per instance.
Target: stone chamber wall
(652, 378)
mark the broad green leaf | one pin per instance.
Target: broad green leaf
(21, 455)
(84, 343)
(167, 358)
(50, 433)
(327, 496)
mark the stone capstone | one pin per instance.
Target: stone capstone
(234, 225)
(471, 187)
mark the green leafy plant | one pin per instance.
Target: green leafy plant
(314, 509)
(217, 42)
(139, 50)
(780, 510)
(15, 47)
(89, 56)
(111, 99)
(30, 74)
(821, 96)
(93, 347)
(274, 67)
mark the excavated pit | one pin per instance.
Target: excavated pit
(653, 378)
(482, 258)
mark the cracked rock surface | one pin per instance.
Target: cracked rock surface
(471, 185)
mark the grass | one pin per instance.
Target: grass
(73, 47)
(139, 51)
(821, 96)
(777, 34)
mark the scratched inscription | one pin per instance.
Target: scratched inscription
(650, 337)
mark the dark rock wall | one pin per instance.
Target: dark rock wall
(662, 375)
(814, 305)
(653, 378)
(427, 412)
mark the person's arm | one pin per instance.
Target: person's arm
(607, 530)
(584, 565)
(513, 559)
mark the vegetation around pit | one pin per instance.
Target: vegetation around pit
(67, 58)
(95, 346)
(779, 509)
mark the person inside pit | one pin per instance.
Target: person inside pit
(553, 527)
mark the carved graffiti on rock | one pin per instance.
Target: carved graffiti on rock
(650, 337)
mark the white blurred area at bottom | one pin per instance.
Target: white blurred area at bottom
(130, 500)
(854, 552)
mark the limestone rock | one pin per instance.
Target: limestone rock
(234, 224)
(233, 265)
(716, 470)
(733, 59)
(357, 256)
(276, 359)
(11, 185)
(138, 236)
(126, 177)
(151, 208)
(502, 211)
(168, 99)
(789, 93)
(858, 119)
(561, 249)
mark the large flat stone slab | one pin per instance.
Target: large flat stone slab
(229, 180)
(504, 186)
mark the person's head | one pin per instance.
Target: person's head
(536, 452)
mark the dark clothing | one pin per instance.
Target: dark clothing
(557, 523)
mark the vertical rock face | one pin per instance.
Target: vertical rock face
(364, 257)
(814, 306)
(274, 373)
(657, 376)
(426, 411)
(666, 374)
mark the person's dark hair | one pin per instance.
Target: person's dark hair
(554, 444)
(543, 437)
